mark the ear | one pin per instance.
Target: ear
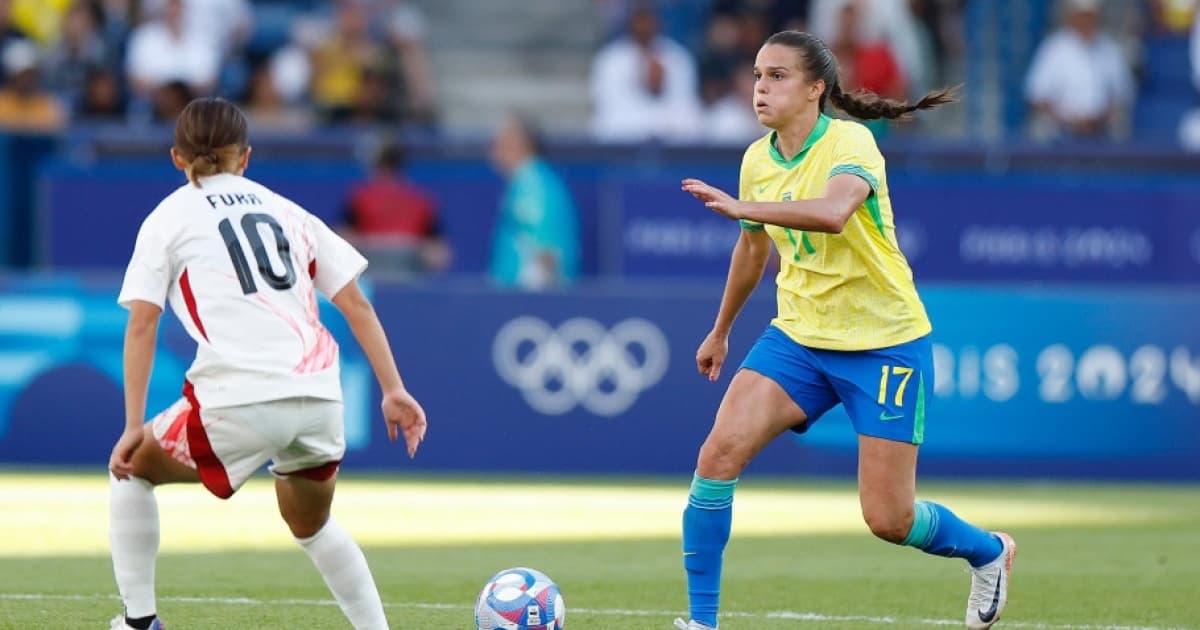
(244, 161)
(816, 89)
(178, 161)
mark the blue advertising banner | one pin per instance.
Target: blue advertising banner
(1069, 382)
(635, 222)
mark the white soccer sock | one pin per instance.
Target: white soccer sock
(345, 570)
(133, 538)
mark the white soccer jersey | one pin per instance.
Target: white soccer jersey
(239, 265)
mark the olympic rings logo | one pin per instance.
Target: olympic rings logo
(580, 363)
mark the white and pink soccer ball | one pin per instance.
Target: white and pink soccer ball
(520, 599)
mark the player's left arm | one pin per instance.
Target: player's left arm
(844, 193)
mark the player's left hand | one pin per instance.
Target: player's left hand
(404, 414)
(714, 198)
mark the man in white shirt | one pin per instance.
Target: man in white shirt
(166, 49)
(1079, 82)
(644, 86)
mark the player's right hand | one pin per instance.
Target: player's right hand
(120, 462)
(403, 414)
(711, 355)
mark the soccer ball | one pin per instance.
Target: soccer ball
(520, 599)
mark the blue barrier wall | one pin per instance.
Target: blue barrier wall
(1029, 382)
(954, 226)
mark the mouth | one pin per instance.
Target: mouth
(760, 106)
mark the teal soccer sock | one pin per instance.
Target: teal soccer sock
(938, 531)
(706, 523)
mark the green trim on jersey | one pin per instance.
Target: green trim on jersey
(872, 201)
(855, 169)
(818, 130)
(919, 413)
(750, 226)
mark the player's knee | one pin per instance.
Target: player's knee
(890, 525)
(721, 459)
(306, 525)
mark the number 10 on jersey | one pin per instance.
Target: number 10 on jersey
(241, 266)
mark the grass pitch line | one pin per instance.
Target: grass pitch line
(610, 612)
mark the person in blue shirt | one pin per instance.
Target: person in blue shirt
(536, 241)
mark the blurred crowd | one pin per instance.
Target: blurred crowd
(142, 60)
(365, 61)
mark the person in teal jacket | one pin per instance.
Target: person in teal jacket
(536, 241)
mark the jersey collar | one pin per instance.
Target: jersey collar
(818, 131)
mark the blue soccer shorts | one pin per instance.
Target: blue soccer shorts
(885, 391)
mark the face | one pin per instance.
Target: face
(508, 147)
(781, 91)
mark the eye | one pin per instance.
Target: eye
(777, 76)
(757, 76)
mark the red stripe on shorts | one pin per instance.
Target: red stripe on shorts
(317, 473)
(212, 471)
(185, 285)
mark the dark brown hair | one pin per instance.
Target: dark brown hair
(211, 136)
(819, 63)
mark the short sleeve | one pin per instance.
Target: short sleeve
(744, 191)
(337, 263)
(855, 153)
(148, 276)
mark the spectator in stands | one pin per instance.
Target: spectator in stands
(342, 59)
(1079, 82)
(8, 32)
(536, 241)
(80, 47)
(890, 22)
(101, 99)
(266, 108)
(865, 64)
(394, 222)
(405, 25)
(169, 99)
(24, 105)
(1189, 127)
(643, 85)
(164, 49)
(40, 20)
(731, 120)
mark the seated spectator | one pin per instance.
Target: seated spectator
(101, 99)
(405, 26)
(1189, 127)
(80, 47)
(887, 22)
(266, 108)
(24, 106)
(8, 32)
(164, 49)
(865, 64)
(394, 222)
(643, 86)
(1079, 82)
(169, 99)
(341, 61)
(731, 119)
(41, 20)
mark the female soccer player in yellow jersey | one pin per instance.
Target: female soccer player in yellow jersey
(851, 328)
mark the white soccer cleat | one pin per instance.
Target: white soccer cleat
(989, 587)
(693, 625)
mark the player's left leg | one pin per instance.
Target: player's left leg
(305, 473)
(884, 392)
(133, 519)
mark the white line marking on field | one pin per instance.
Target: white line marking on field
(611, 612)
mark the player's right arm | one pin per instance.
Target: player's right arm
(745, 270)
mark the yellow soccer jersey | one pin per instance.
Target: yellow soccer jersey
(848, 291)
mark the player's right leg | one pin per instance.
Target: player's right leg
(778, 388)
(133, 516)
(305, 473)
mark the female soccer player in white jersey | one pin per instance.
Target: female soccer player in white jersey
(851, 328)
(240, 266)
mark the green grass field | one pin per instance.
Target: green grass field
(1092, 556)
